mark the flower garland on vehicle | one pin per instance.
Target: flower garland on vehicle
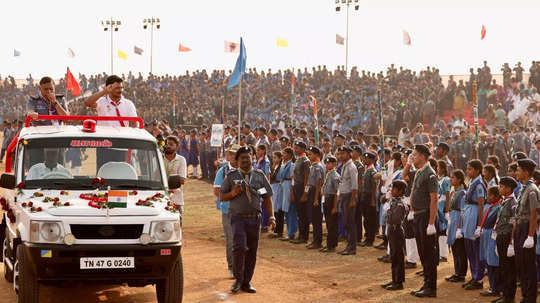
(30, 205)
(98, 200)
(9, 212)
(158, 197)
(20, 187)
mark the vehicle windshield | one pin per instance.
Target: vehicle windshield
(76, 163)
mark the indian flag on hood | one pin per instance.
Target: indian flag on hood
(117, 198)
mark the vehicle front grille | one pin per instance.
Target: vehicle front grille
(106, 232)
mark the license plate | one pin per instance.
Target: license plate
(107, 263)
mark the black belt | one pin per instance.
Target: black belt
(396, 226)
(287, 179)
(521, 221)
(420, 211)
(250, 215)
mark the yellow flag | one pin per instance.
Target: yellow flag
(282, 42)
(122, 55)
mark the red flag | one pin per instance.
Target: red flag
(183, 49)
(293, 78)
(483, 32)
(72, 85)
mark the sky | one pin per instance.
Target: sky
(445, 34)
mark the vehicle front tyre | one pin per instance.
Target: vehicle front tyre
(171, 289)
(27, 280)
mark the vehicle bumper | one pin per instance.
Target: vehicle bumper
(64, 261)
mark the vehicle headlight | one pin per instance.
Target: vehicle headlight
(165, 231)
(48, 232)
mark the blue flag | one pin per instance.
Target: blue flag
(239, 68)
(16, 53)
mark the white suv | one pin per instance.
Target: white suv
(90, 203)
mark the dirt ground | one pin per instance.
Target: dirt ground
(284, 273)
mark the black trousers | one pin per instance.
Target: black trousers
(246, 233)
(349, 221)
(460, 257)
(428, 248)
(316, 216)
(358, 219)
(331, 222)
(280, 222)
(507, 267)
(396, 240)
(369, 214)
(204, 165)
(526, 260)
(301, 212)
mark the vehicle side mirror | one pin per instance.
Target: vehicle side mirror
(174, 182)
(7, 181)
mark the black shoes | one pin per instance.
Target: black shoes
(409, 265)
(455, 278)
(381, 246)
(347, 252)
(419, 273)
(490, 293)
(443, 260)
(474, 285)
(366, 244)
(274, 236)
(327, 249)
(314, 246)
(386, 285)
(384, 259)
(394, 286)
(235, 288)
(299, 241)
(425, 293)
(286, 239)
(503, 300)
(248, 288)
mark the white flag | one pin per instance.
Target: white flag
(406, 38)
(70, 53)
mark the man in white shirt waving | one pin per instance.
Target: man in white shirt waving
(109, 102)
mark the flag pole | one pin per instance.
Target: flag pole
(239, 107)
(65, 89)
(381, 129)
(475, 116)
(292, 99)
(316, 121)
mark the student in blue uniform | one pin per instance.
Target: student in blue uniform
(275, 181)
(223, 206)
(289, 209)
(455, 236)
(472, 218)
(261, 161)
(443, 210)
(193, 154)
(488, 244)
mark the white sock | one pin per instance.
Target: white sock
(412, 251)
(443, 247)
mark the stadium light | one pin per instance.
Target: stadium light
(347, 3)
(151, 22)
(113, 26)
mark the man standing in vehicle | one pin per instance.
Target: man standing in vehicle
(46, 103)
(175, 165)
(110, 103)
